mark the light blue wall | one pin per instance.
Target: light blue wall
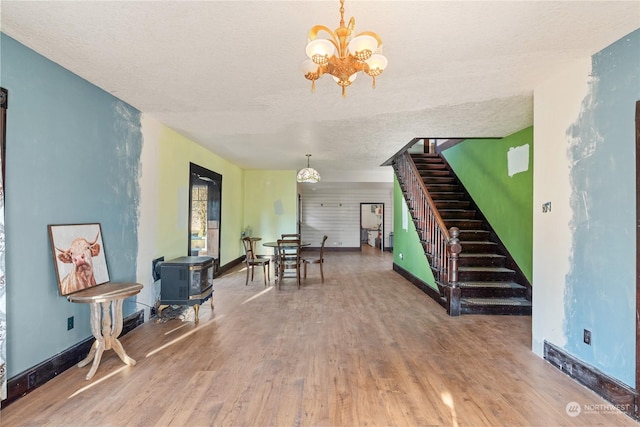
(73, 156)
(600, 289)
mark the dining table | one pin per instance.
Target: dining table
(285, 244)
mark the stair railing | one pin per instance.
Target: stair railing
(442, 246)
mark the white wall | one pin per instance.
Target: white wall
(148, 225)
(370, 219)
(557, 103)
(334, 210)
(584, 250)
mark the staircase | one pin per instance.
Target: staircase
(488, 280)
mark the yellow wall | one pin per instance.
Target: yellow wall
(175, 154)
(270, 200)
(266, 201)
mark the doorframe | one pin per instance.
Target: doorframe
(382, 246)
(637, 385)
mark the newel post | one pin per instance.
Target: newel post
(453, 248)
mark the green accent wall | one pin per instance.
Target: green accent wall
(407, 243)
(506, 201)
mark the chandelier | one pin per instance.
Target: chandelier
(342, 56)
(308, 174)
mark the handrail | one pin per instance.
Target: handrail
(423, 187)
(430, 226)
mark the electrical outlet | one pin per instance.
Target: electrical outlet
(587, 337)
(31, 380)
(69, 323)
(401, 255)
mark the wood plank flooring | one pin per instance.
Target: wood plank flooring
(366, 348)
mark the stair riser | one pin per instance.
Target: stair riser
(452, 204)
(485, 276)
(497, 310)
(492, 293)
(428, 161)
(474, 235)
(481, 261)
(469, 224)
(441, 188)
(457, 214)
(434, 172)
(479, 247)
(429, 180)
(436, 196)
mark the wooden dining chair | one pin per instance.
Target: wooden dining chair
(288, 259)
(316, 260)
(291, 236)
(252, 260)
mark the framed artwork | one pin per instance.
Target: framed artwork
(78, 255)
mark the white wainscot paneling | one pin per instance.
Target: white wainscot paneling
(336, 212)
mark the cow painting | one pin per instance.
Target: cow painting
(80, 254)
(80, 258)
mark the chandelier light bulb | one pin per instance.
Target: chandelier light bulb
(377, 63)
(362, 47)
(309, 67)
(320, 51)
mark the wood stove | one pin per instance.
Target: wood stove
(186, 280)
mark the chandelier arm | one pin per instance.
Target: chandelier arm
(313, 34)
(322, 69)
(352, 24)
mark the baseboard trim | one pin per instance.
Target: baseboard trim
(19, 385)
(420, 284)
(229, 266)
(334, 249)
(620, 395)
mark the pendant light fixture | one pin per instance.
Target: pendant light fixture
(341, 55)
(308, 174)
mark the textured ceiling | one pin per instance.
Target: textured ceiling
(227, 73)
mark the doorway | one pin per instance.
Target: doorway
(372, 226)
(205, 189)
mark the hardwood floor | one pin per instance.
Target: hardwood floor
(364, 348)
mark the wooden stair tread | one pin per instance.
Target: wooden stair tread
(486, 269)
(479, 255)
(494, 285)
(515, 301)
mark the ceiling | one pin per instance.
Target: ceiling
(227, 74)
